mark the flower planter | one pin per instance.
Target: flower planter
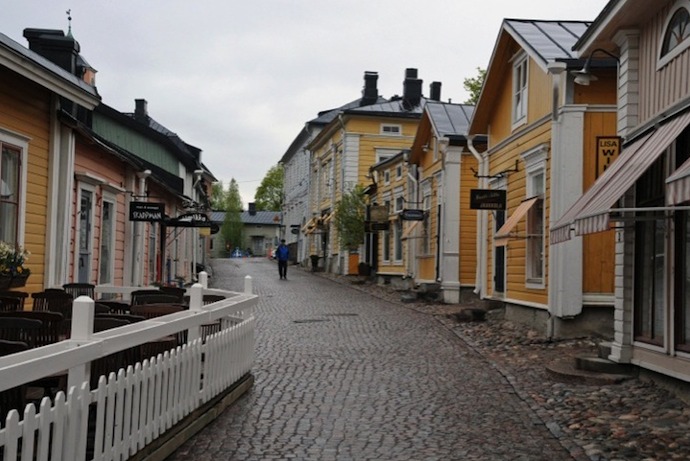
(18, 280)
(5, 281)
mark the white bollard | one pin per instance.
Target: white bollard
(83, 312)
(248, 286)
(203, 279)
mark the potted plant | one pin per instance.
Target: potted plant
(13, 272)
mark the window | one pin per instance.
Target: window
(387, 177)
(385, 154)
(398, 172)
(677, 33)
(397, 237)
(425, 247)
(85, 232)
(387, 245)
(106, 256)
(10, 179)
(535, 167)
(394, 130)
(399, 204)
(520, 89)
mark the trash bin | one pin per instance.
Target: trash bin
(314, 262)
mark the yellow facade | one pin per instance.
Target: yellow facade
(25, 109)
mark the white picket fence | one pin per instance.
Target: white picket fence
(130, 409)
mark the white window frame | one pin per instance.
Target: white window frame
(682, 46)
(20, 143)
(397, 240)
(111, 199)
(398, 172)
(398, 201)
(91, 188)
(425, 247)
(535, 167)
(385, 154)
(391, 129)
(520, 89)
(387, 177)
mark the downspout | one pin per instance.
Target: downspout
(555, 69)
(482, 234)
(138, 263)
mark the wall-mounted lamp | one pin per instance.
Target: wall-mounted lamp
(584, 76)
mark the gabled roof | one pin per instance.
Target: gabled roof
(442, 119)
(543, 41)
(393, 107)
(263, 218)
(38, 69)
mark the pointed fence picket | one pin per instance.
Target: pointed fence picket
(131, 408)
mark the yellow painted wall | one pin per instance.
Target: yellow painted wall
(25, 109)
(468, 222)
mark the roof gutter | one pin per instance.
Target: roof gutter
(483, 224)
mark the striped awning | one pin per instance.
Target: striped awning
(678, 185)
(504, 233)
(590, 213)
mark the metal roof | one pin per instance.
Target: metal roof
(391, 107)
(264, 218)
(449, 119)
(548, 40)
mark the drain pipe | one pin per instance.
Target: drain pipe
(483, 225)
(412, 245)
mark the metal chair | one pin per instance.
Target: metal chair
(20, 329)
(9, 304)
(80, 289)
(20, 295)
(176, 291)
(140, 297)
(15, 398)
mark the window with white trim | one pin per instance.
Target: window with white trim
(398, 172)
(10, 189)
(106, 256)
(391, 130)
(399, 204)
(676, 36)
(387, 239)
(387, 177)
(397, 239)
(535, 168)
(425, 247)
(520, 79)
(385, 154)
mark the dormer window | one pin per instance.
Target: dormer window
(677, 33)
(392, 130)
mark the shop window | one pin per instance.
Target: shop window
(10, 180)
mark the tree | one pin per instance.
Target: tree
(232, 229)
(349, 218)
(474, 86)
(218, 196)
(269, 194)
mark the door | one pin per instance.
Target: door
(85, 220)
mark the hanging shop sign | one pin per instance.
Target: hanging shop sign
(371, 226)
(487, 199)
(193, 220)
(412, 215)
(146, 211)
(378, 213)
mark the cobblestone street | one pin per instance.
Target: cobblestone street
(346, 374)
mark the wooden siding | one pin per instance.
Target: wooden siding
(468, 222)
(598, 249)
(25, 108)
(598, 91)
(136, 143)
(662, 88)
(88, 158)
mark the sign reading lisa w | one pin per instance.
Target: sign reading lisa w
(146, 211)
(608, 148)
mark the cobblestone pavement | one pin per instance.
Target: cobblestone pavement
(347, 372)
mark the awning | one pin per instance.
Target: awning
(503, 234)
(326, 219)
(678, 185)
(308, 228)
(590, 213)
(409, 230)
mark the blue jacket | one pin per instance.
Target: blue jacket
(282, 253)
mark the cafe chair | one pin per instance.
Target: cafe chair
(80, 289)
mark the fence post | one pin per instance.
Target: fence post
(196, 302)
(203, 279)
(82, 330)
(248, 286)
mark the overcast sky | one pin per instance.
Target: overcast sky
(239, 79)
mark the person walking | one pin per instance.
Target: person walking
(282, 254)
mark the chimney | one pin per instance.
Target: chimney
(435, 91)
(55, 46)
(412, 89)
(370, 93)
(141, 112)
(251, 206)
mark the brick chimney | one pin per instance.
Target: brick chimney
(141, 112)
(55, 46)
(370, 93)
(412, 89)
(435, 91)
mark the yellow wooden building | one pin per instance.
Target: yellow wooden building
(341, 156)
(443, 245)
(543, 134)
(35, 146)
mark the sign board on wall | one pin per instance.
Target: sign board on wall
(487, 199)
(608, 148)
(146, 211)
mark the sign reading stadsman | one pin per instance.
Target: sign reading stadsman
(146, 211)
